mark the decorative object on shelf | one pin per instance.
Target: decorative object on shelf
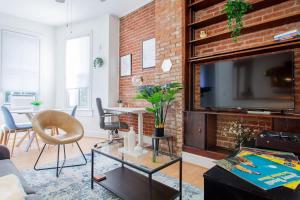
(126, 65)
(98, 62)
(203, 34)
(160, 98)
(131, 140)
(166, 65)
(137, 81)
(120, 103)
(149, 53)
(235, 10)
(243, 135)
(36, 104)
(287, 35)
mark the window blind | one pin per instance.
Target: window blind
(20, 61)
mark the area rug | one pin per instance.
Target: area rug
(74, 183)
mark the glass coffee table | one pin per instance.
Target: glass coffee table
(133, 179)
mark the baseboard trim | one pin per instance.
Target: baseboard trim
(198, 160)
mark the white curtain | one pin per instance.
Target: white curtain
(78, 62)
(20, 62)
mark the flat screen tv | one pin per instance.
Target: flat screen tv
(263, 82)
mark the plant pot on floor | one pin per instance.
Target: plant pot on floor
(159, 132)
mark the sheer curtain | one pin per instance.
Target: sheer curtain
(78, 64)
(20, 60)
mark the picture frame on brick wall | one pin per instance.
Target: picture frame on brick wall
(148, 54)
(125, 65)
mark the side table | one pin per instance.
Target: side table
(155, 143)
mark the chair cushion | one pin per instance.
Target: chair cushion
(7, 167)
(11, 188)
(23, 126)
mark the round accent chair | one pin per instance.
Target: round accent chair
(73, 132)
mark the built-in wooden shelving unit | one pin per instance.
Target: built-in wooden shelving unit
(207, 119)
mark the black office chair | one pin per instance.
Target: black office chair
(114, 126)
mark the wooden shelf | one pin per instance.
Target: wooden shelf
(202, 4)
(213, 154)
(243, 114)
(222, 17)
(128, 184)
(251, 29)
(266, 48)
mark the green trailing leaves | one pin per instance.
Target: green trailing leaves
(160, 98)
(235, 10)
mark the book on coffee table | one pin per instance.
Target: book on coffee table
(263, 168)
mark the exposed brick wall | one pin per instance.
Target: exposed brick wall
(246, 41)
(226, 140)
(163, 20)
(169, 27)
(135, 28)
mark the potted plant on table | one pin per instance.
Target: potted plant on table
(160, 98)
(36, 104)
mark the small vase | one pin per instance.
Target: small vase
(159, 132)
(131, 140)
(36, 108)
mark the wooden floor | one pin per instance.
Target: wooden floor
(25, 160)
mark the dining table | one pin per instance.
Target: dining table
(29, 113)
(132, 110)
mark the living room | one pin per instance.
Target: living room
(149, 99)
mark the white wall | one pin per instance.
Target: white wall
(46, 35)
(104, 81)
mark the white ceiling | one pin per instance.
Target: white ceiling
(52, 13)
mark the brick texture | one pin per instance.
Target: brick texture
(135, 28)
(162, 20)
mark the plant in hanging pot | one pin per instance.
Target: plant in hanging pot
(160, 98)
(235, 10)
(98, 62)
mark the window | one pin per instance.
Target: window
(20, 61)
(78, 57)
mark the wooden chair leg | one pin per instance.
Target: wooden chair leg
(7, 137)
(23, 138)
(2, 136)
(37, 142)
(14, 142)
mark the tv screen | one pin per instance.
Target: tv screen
(258, 82)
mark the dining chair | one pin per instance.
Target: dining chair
(73, 113)
(73, 132)
(13, 127)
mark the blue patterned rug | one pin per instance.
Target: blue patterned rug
(74, 183)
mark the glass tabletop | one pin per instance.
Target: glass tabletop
(141, 161)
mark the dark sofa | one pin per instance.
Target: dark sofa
(7, 167)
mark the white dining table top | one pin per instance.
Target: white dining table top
(126, 109)
(28, 111)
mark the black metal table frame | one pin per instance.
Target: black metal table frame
(150, 173)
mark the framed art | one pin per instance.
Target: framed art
(149, 53)
(125, 65)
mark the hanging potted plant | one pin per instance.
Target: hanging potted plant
(235, 10)
(160, 98)
(98, 62)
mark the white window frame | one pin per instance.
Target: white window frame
(89, 106)
(3, 92)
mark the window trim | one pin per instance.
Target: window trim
(90, 87)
